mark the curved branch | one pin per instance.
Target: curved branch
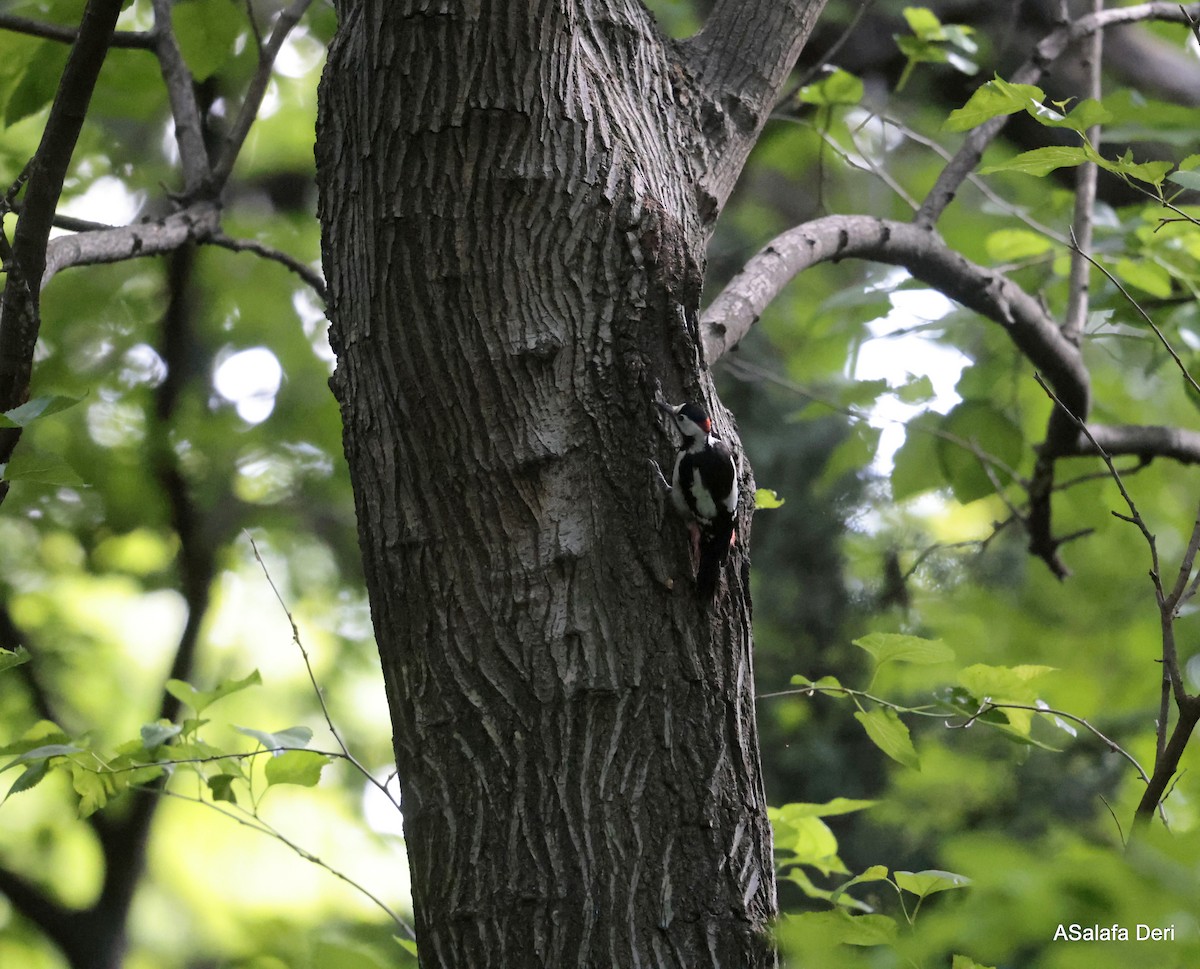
(926, 256)
(306, 272)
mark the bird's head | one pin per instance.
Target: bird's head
(692, 420)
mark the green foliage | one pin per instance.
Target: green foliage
(932, 42)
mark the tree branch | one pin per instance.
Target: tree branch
(189, 130)
(20, 315)
(1044, 55)
(134, 39)
(926, 256)
(306, 272)
(1085, 199)
(287, 19)
(197, 223)
(741, 60)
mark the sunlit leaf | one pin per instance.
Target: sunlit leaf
(765, 498)
(991, 100)
(301, 767)
(198, 700)
(10, 658)
(896, 647)
(291, 737)
(930, 881)
(1042, 161)
(889, 733)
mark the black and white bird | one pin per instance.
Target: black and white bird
(704, 488)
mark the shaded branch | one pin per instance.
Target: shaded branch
(740, 62)
(248, 113)
(306, 272)
(133, 39)
(181, 92)
(20, 314)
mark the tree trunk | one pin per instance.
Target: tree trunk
(513, 242)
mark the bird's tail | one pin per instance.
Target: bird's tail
(714, 550)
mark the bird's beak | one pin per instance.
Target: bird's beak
(662, 405)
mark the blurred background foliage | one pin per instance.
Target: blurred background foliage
(204, 419)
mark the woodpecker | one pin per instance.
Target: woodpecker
(704, 489)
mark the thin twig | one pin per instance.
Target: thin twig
(133, 39)
(1145, 316)
(313, 679)
(986, 707)
(311, 276)
(255, 823)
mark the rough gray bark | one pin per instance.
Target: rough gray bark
(515, 201)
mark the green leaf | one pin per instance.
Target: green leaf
(198, 700)
(992, 100)
(765, 499)
(895, 647)
(915, 467)
(220, 786)
(43, 753)
(840, 926)
(93, 788)
(972, 433)
(1007, 245)
(876, 873)
(838, 87)
(1083, 116)
(41, 733)
(206, 31)
(1011, 684)
(889, 733)
(916, 390)
(408, 945)
(830, 683)
(964, 962)
(30, 777)
(301, 767)
(1146, 275)
(291, 737)
(10, 658)
(1015, 683)
(157, 734)
(35, 409)
(805, 841)
(1153, 171)
(839, 805)
(930, 882)
(1042, 161)
(39, 81)
(851, 456)
(923, 22)
(39, 468)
